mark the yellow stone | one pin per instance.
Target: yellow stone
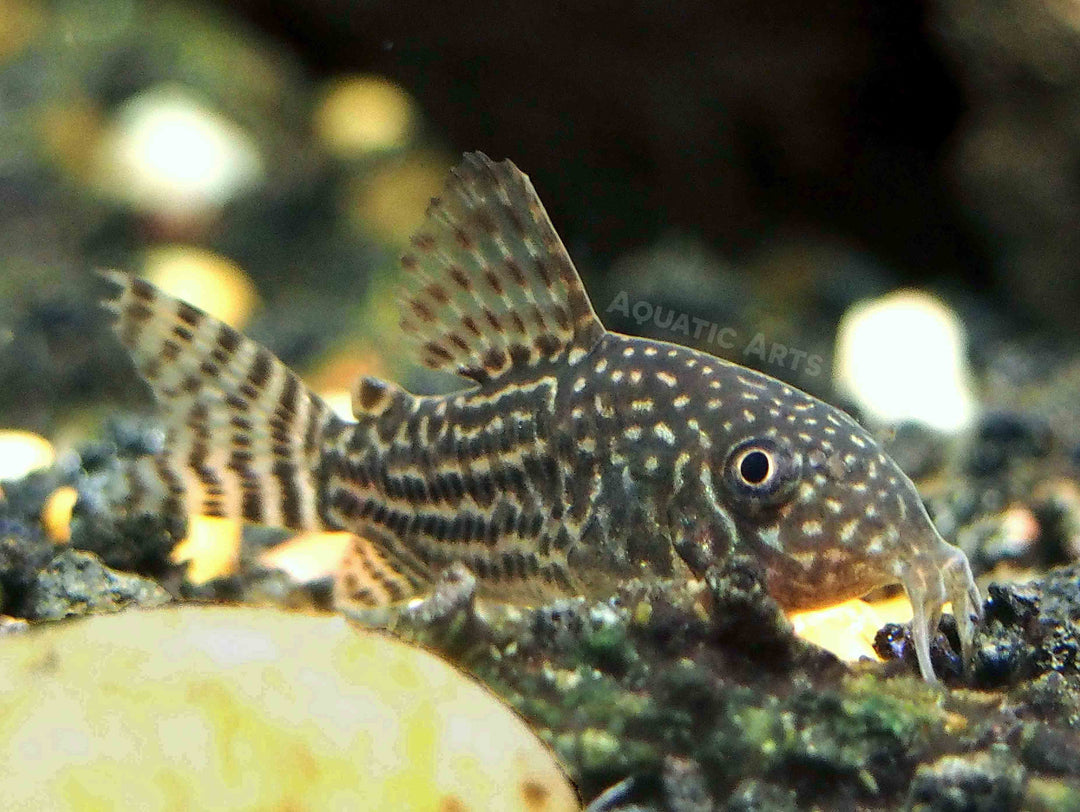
(246, 709)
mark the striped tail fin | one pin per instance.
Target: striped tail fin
(243, 432)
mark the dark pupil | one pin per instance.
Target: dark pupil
(754, 467)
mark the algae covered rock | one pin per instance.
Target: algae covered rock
(77, 583)
(237, 708)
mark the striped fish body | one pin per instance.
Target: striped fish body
(578, 459)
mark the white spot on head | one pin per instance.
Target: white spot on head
(632, 432)
(642, 405)
(635, 376)
(875, 546)
(579, 384)
(748, 395)
(662, 431)
(833, 505)
(576, 355)
(857, 440)
(714, 404)
(628, 352)
(811, 528)
(771, 536)
(650, 351)
(871, 511)
(672, 353)
(847, 530)
(807, 492)
(748, 416)
(667, 379)
(577, 413)
(707, 370)
(681, 462)
(680, 402)
(714, 384)
(601, 365)
(651, 462)
(691, 363)
(616, 375)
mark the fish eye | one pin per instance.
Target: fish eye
(755, 466)
(761, 471)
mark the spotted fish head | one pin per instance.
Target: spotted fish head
(828, 514)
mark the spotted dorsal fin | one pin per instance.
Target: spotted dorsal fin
(490, 286)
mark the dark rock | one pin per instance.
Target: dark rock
(981, 782)
(138, 539)
(77, 583)
(1002, 438)
(1050, 750)
(22, 555)
(753, 795)
(893, 641)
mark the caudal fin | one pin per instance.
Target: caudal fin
(243, 432)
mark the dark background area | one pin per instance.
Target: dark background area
(732, 120)
(760, 165)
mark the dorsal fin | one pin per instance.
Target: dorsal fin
(490, 286)
(374, 397)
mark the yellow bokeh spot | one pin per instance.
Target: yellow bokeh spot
(204, 279)
(847, 629)
(22, 453)
(391, 202)
(361, 114)
(211, 549)
(308, 557)
(20, 21)
(56, 514)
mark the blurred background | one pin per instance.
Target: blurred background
(760, 167)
